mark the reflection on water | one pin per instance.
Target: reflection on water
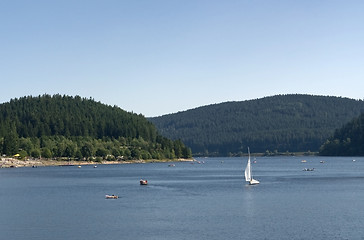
(248, 203)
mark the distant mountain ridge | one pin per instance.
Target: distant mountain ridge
(292, 122)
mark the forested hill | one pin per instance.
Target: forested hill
(346, 141)
(64, 126)
(293, 123)
(71, 116)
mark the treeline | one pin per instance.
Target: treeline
(75, 127)
(283, 123)
(347, 140)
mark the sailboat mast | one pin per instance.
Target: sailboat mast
(250, 168)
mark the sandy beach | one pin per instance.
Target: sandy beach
(15, 163)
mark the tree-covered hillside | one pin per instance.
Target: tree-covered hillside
(71, 116)
(346, 141)
(64, 126)
(294, 123)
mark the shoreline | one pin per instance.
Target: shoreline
(16, 163)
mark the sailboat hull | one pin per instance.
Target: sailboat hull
(253, 182)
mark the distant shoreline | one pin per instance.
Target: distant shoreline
(16, 163)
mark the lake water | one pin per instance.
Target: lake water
(188, 201)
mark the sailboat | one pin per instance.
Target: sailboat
(248, 172)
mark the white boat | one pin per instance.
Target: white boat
(111, 196)
(143, 182)
(248, 172)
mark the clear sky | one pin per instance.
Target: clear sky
(156, 57)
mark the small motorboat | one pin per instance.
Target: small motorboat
(111, 196)
(308, 169)
(143, 182)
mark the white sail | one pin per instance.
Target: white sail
(248, 172)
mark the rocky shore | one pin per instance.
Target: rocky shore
(31, 162)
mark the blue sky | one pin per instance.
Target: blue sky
(156, 57)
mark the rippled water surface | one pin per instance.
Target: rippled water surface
(189, 201)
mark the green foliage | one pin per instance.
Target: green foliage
(11, 143)
(46, 153)
(35, 153)
(87, 150)
(347, 140)
(75, 127)
(293, 123)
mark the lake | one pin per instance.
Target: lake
(188, 201)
